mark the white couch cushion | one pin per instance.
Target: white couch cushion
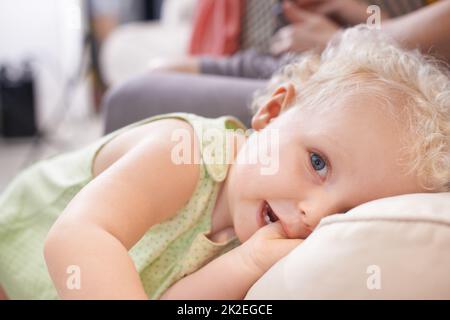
(391, 248)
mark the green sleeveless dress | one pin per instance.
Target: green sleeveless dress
(167, 252)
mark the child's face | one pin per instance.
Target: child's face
(328, 163)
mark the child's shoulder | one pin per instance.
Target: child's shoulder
(159, 133)
(181, 136)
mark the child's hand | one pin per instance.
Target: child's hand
(264, 248)
(306, 31)
(231, 275)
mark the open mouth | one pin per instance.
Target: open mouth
(268, 215)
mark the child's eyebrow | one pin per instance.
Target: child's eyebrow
(334, 148)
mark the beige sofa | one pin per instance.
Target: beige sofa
(392, 248)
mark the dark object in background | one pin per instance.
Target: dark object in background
(152, 9)
(17, 102)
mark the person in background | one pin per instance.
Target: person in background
(274, 33)
(214, 94)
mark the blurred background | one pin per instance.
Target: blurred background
(53, 72)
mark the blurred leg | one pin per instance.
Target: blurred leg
(152, 94)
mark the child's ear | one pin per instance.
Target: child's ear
(280, 101)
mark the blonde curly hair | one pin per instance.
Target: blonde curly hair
(415, 87)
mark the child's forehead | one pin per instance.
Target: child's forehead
(356, 114)
(365, 90)
(339, 106)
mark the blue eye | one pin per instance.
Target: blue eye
(319, 164)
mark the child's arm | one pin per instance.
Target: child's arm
(139, 186)
(231, 275)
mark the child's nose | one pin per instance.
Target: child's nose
(291, 216)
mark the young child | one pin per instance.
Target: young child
(129, 218)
